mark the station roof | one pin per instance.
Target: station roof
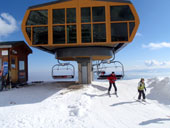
(11, 44)
(60, 1)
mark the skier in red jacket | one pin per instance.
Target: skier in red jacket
(112, 78)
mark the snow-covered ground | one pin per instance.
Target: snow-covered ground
(51, 105)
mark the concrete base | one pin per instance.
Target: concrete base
(85, 70)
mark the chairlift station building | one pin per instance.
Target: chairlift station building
(81, 30)
(14, 61)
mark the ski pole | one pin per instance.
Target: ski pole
(135, 95)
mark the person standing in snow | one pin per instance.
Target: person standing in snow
(112, 78)
(1, 85)
(141, 89)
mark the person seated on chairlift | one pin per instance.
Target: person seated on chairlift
(103, 72)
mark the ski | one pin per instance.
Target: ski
(109, 94)
(116, 95)
(146, 102)
(113, 94)
(141, 102)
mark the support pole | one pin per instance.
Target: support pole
(84, 70)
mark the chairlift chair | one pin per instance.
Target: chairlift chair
(115, 64)
(63, 71)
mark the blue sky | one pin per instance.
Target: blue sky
(146, 56)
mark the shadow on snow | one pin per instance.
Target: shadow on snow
(30, 94)
(100, 87)
(158, 121)
(122, 103)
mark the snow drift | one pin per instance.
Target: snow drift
(160, 90)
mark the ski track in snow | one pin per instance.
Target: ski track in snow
(48, 106)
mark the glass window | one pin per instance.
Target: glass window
(119, 32)
(40, 35)
(38, 18)
(86, 33)
(13, 63)
(59, 16)
(71, 34)
(21, 65)
(28, 30)
(59, 34)
(121, 13)
(22, 75)
(99, 33)
(98, 14)
(71, 15)
(131, 27)
(85, 15)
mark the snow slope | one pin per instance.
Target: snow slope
(50, 105)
